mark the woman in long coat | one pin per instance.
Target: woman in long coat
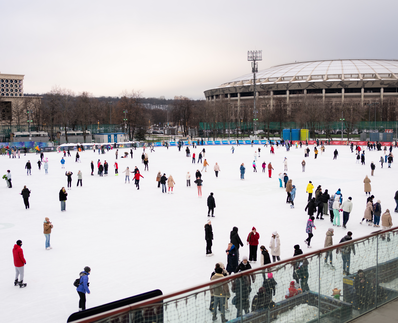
(170, 183)
(368, 213)
(367, 186)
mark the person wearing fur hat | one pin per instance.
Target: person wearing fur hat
(47, 225)
(19, 263)
(244, 265)
(329, 243)
(275, 246)
(208, 238)
(82, 289)
(252, 241)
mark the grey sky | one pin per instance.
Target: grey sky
(167, 48)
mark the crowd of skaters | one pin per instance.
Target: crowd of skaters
(274, 246)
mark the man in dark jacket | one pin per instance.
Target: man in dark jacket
(211, 204)
(346, 253)
(28, 167)
(25, 194)
(235, 240)
(396, 201)
(208, 238)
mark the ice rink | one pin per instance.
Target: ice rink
(139, 240)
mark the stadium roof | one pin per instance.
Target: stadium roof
(328, 70)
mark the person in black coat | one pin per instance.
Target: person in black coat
(235, 240)
(92, 168)
(325, 200)
(28, 167)
(244, 265)
(232, 258)
(311, 207)
(198, 174)
(25, 194)
(270, 286)
(208, 238)
(211, 204)
(62, 198)
(163, 180)
(69, 178)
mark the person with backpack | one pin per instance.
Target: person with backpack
(82, 287)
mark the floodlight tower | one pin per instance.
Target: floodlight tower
(254, 56)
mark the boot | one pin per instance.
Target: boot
(223, 319)
(16, 282)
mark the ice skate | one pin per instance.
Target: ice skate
(22, 284)
(16, 282)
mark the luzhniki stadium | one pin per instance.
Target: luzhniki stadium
(361, 80)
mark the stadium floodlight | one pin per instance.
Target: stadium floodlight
(254, 56)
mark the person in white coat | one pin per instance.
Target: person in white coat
(347, 208)
(275, 247)
(285, 164)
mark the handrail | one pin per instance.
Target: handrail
(294, 259)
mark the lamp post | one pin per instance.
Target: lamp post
(29, 121)
(342, 125)
(254, 56)
(125, 124)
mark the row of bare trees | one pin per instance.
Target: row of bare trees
(62, 108)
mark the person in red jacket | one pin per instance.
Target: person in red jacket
(19, 263)
(137, 176)
(252, 241)
(292, 291)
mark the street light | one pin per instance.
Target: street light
(125, 124)
(342, 125)
(254, 56)
(29, 121)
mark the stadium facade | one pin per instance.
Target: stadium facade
(360, 80)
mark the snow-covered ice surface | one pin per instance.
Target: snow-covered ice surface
(139, 240)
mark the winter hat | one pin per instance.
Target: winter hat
(292, 283)
(87, 269)
(244, 258)
(19, 243)
(274, 233)
(255, 228)
(270, 275)
(378, 201)
(331, 229)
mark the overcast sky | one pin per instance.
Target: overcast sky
(168, 48)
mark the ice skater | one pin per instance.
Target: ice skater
(19, 263)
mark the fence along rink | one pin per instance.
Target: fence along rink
(324, 293)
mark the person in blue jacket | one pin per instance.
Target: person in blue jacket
(82, 289)
(242, 171)
(232, 259)
(292, 196)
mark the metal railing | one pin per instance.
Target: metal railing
(319, 290)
